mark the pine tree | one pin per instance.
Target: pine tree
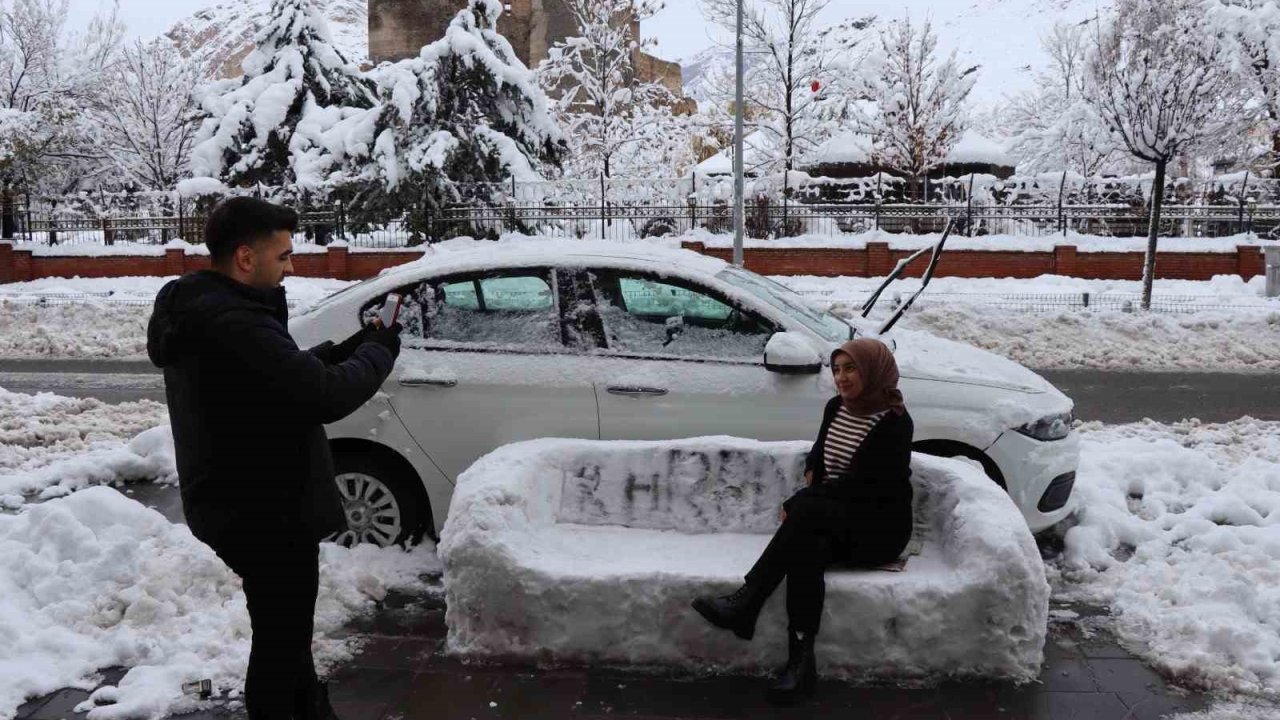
(462, 115)
(294, 74)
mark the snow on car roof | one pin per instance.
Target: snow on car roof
(465, 254)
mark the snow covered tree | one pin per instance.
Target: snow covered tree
(1159, 84)
(464, 113)
(1051, 126)
(801, 81)
(294, 75)
(146, 114)
(919, 100)
(1251, 32)
(603, 105)
(49, 80)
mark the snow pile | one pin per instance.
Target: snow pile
(52, 445)
(591, 552)
(101, 317)
(1178, 534)
(96, 580)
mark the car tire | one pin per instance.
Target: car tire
(383, 507)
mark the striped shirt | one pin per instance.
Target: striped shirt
(846, 433)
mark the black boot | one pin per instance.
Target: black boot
(799, 678)
(737, 611)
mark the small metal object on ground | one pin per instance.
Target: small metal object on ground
(203, 688)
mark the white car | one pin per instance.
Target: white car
(523, 340)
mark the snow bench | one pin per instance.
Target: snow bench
(590, 552)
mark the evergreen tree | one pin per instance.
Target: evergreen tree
(462, 115)
(295, 74)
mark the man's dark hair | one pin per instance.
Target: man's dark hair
(244, 221)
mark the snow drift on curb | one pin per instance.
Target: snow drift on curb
(96, 580)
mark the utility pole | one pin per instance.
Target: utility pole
(739, 205)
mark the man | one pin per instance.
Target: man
(247, 409)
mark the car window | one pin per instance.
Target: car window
(511, 309)
(653, 316)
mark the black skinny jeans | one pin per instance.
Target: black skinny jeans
(281, 580)
(815, 534)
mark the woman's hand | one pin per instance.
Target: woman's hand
(784, 514)
(808, 477)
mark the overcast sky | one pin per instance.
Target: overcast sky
(680, 29)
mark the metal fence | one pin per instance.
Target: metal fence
(619, 221)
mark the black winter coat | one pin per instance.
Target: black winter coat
(876, 488)
(247, 408)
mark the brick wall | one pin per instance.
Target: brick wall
(336, 262)
(877, 259)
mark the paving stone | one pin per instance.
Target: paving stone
(368, 693)
(1128, 675)
(393, 653)
(60, 705)
(440, 696)
(1084, 706)
(1067, 674)
(1156, 705)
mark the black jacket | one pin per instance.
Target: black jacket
(877, 484)
(248, 407)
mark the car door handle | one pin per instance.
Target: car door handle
(635, 391)
(425, 382)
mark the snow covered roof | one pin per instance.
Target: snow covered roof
(853, 148)
(979, 149)
(757, 149)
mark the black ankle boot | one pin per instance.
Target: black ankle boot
(799, 678)
(737, 611)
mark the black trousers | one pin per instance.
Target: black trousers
(281, 579)
(818, 531)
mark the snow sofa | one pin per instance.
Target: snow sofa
(590, 552)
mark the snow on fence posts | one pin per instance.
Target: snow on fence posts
(589, 552)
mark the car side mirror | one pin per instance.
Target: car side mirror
(789, 353)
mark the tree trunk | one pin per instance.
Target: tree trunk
(1153, 234)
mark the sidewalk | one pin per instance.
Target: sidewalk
(402, 674)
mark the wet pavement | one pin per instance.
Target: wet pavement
(403, 673)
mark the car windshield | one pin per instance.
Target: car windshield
(783, 298)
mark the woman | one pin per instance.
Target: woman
(856, 507)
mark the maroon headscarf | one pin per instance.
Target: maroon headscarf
(879, 371)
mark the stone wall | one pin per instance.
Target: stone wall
(399, 28)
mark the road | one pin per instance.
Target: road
(1112, 397)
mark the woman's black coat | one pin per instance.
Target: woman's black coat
(875, 489)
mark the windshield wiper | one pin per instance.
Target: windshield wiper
(902, 265)
(928, 275)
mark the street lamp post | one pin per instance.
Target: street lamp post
(739, 206)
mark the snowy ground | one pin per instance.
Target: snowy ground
(1178, 534)
(91, 579)
(1223, 324)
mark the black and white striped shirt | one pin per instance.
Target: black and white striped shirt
(846, 433)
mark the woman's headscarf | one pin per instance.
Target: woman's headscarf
(879, 371)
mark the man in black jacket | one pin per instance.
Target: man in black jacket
(247, 409)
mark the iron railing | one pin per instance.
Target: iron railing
(619, 221)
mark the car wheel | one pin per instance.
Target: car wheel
(382, 506)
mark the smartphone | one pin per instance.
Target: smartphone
(390, 310)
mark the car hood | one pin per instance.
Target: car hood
(924, 356)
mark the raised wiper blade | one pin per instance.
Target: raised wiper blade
(902, 265)
(928, 275)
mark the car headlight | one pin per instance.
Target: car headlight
(1050, 427)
